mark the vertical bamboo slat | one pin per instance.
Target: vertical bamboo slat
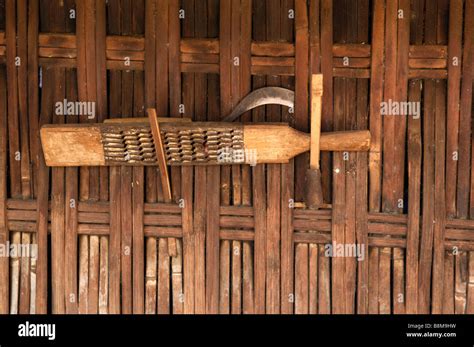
(428, 174)
(96, 227)
(4, 234)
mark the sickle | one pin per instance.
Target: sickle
(262, 96)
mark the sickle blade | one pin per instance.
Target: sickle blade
(262, 96)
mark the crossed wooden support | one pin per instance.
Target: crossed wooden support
(167, 141)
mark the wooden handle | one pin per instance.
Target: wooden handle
(160, 153)
(316, 99)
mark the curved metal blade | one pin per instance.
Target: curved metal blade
(262, 96)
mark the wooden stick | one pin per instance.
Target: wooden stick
(316, 99)
(314, 192)
(160, 154)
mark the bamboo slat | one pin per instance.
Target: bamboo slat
(238, 239)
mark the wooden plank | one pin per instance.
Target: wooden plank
(82, 85)
(173, 68)
(4, 234)
(212, 241)
(91, 76)
(376, 92)
(177, 279)
(428, 176)
(301, 279)
(151, 276)
(224, 250)
(432, 51)
(175, 95)
(101, 82)
(59, 40)
(302, 79)
(58, 217)
(374, 255)
(229, 91)
(427, 63)
(385, 269)
(465, 119)
(448, 291)
(353, 63)
(162, 59)
(272, 49)
(246, 296)
(425, 74)
(273, 207)
(104, 275)
(287, 31)
(200, 68)
(460, 285)
(399, 142)
(440, 196)
(355, 24)
(199, 45)
(454, 79)
(212, 188)
(22, 74)
(258, 175)
(126, 214)
(362, 193)
(189, 258)
(150, 67)
(15, 275)
(414, 181)
(83, 274)
(241, 39)
(12, 89)
(391, 175)
(115, 248)
(163, 277)
(47, 99)
(199, 58)
(85, 142)
(287, 246)
(71, 223)
(351, 50)
(327, 71)
(398, 291)
(138, 241)
(273, 61)
(313, 279)
(93, 282)
(470, 284)
(324, 291)
(189, 248)
(338, 203)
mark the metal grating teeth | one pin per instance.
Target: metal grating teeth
(134, 145)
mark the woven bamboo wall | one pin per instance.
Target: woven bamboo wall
(231, 241)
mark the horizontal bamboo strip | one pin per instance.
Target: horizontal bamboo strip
(351, 50)
(272, 49)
